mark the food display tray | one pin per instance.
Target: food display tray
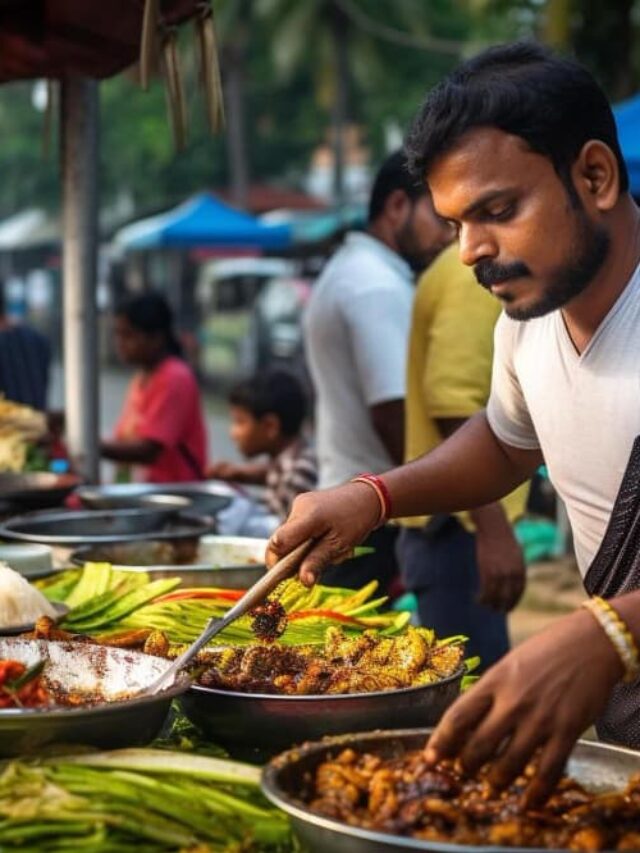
(597, 766)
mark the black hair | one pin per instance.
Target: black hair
(393, 175)
(273, 392)
(151, 313)
(552, 103)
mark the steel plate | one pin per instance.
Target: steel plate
(84, 527)
(253, 727)
(598, 766)
(35, 490)
(207, 497)
(228, 562)
(87, 667)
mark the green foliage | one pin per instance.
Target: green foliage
(288, 67)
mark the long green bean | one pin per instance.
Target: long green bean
(142, 799)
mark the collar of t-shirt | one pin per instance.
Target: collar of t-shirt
(362, 240)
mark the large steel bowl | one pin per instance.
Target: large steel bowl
(228, 562)
(35, 490)
(285, 781)
(81, 527)
(256, 726)
(207, 497)
(85, 667)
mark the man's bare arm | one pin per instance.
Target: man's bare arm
(470, 469)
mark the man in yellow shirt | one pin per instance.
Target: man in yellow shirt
(466, 570)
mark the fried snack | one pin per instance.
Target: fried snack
(405, 797)
(364, 664)
(269, 620)
(20, 426)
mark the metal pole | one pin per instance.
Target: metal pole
(79, 127)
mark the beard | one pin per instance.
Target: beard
(589, 252)
(409, 247)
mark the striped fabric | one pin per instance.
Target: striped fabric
(24, 366)
(294, 471)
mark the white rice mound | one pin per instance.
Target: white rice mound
(20, 603)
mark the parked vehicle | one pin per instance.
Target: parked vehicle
(225, 295)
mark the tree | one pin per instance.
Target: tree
(343, 42)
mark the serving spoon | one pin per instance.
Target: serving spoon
(255, 595)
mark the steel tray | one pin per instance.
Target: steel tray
(207, 497)
(85, 527)
(228, 562)
(253, 726)
(598, 766)
(87, 667)
(36, 490)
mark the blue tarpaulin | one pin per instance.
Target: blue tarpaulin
(203, 220)
(627, 115)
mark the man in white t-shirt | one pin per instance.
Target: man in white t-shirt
(356, 337)
(520, 151)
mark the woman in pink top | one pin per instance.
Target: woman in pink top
(161, 431)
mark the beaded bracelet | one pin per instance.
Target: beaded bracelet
(618, 633)
(380, 488)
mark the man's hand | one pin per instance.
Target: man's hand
(541, 696)
(336, 519)
(500, 563)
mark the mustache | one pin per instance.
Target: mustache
(489, 272)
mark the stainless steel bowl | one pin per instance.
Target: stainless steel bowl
(35, 490)
(171, 505)
(81, 527)
(207, 497)
(229, 562)
(256, 726)
(86, 668)
(285, 781)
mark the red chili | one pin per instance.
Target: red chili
(186, 594)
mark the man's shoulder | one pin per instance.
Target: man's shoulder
(26, 333)
(361, 265)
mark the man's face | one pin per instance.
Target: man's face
(423, 234)
(530, 243)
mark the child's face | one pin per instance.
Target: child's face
(253, 435)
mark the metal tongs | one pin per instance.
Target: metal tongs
(255, 595)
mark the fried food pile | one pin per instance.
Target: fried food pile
(364, 664)
(20, 426)
(404, 797)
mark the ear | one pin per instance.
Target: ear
(597, 175)
(271, 425)
(397, 207)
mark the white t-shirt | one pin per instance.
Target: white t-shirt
(583, 411)
(356, 336)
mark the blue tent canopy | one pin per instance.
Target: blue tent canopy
(627, 115)
(202, 220)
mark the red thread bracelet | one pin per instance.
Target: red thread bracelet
(381, 490)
